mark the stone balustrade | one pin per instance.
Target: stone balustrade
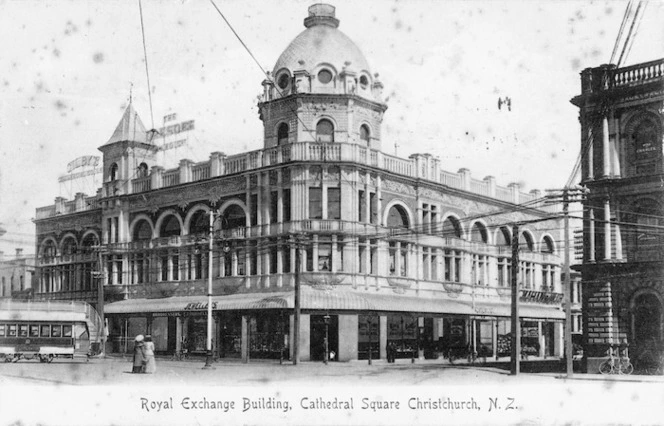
(422, 166)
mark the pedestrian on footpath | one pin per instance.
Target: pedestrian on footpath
(150, 365)
(139, 355)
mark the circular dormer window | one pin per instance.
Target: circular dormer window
(283, 81)
(324, 76)
(364, 81)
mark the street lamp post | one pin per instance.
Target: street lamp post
(326, 319)
(208, 358)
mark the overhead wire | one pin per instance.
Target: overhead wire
(145, 53)
(629, 34)
(636, 29)
(628, 9)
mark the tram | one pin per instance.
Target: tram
(47, 330)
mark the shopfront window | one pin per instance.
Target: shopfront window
(268, 338)
(530, 344)
(368, 336)
(402, 334)
(484, 338)
(455, 337)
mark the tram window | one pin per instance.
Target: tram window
(66, 331)
(45, 330)
(11, 332)
(23, 330)
(2, 330)
(56, 331)
(34, 330)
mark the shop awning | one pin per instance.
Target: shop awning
(329, 299)
(525, 311)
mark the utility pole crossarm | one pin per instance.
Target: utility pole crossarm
(566, 196)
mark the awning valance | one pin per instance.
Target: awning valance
(328, 299)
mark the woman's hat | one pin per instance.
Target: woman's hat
(139, 338)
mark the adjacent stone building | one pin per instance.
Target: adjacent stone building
(394, 251)
(621, 115)
(16, 275)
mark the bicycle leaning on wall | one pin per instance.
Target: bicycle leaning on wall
(616, 365)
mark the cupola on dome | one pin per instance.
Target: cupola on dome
(323, 53)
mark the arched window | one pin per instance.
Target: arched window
(283, 81)
(69, 246)
(233, 217)
(526, 242)
(365, 134)
(478, 233)
(113, 172)
(142, 231)
(324, 131)
(451, 227)
(397, 218)
(170, 227)
(200, 223)
(547, 245)
(49, 251)
(282, 134)
(142, 170)
(503, 237)
(89, 243)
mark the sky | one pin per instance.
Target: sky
(68, 68)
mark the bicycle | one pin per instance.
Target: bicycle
(610, 366)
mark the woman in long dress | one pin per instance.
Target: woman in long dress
(150, 366)
(139, 355)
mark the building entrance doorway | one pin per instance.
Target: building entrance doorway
(647, 319)
(317, 336)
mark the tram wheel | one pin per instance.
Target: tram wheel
(50, 359)
(7, 359)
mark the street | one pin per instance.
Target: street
(116, 371)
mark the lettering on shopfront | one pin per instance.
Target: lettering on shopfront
(199, 306)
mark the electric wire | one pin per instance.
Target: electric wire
(620, 31)
(145, 53)
(629, 34)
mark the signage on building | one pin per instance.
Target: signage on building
(199, 306)
(88, 160)
(84, 161)
(174, 129)
(72, 176)
(484, 311)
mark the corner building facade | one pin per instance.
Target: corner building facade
(394, 252)
(622, 117)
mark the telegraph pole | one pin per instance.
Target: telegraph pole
(514, 285)
(564, 195)
(99, 275)
(569, 349)
(296, 316)
(208, 354)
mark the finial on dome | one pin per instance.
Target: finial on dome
(321, 14)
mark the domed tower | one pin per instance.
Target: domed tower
(322, 89)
